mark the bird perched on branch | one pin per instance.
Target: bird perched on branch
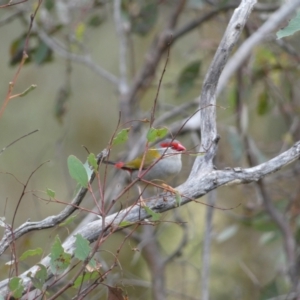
(161, 162)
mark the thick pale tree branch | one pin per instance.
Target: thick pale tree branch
(262, 34)
(208, 125)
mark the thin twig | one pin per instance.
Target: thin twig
(18, 139)
(24, 57)
(86, 60)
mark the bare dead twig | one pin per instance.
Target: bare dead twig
(15, 213)
(11, 85)
(12, 4)
(18, 139)
(152, 118)
(10, 18)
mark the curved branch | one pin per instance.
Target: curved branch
(82, 59)
(208, 94)
(259, 36)
(51, 221)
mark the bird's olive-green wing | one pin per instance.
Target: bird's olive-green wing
(151, 156)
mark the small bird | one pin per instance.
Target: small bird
(161, 163)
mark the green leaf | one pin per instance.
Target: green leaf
(84, 278)
(59, 259)
(92, 263)
(155, 216)
(262, 222)
(121, 137)
(16, 50)
(178, 198)
(42, 53)
(154, 134)
(187, 77)
(294, 26)
(68, 221)
(83, 248)
(31, 252)
(263, 103)
(28, 90)
(39, 278)
(269, 291)
(93, 161)
(268, 237)
(227, 233)
(49, 4)
(16, 287)
(77, 171)
(125, 224)
(264, 226)
(88, 170)
(79, 31)
(143, 21)
(95, 21)
(50, 193)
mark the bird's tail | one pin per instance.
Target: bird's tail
(109, 162)
(118, 165)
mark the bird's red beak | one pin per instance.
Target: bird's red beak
(177, 146)
(174, 145)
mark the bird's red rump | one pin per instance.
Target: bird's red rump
(119, 165)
